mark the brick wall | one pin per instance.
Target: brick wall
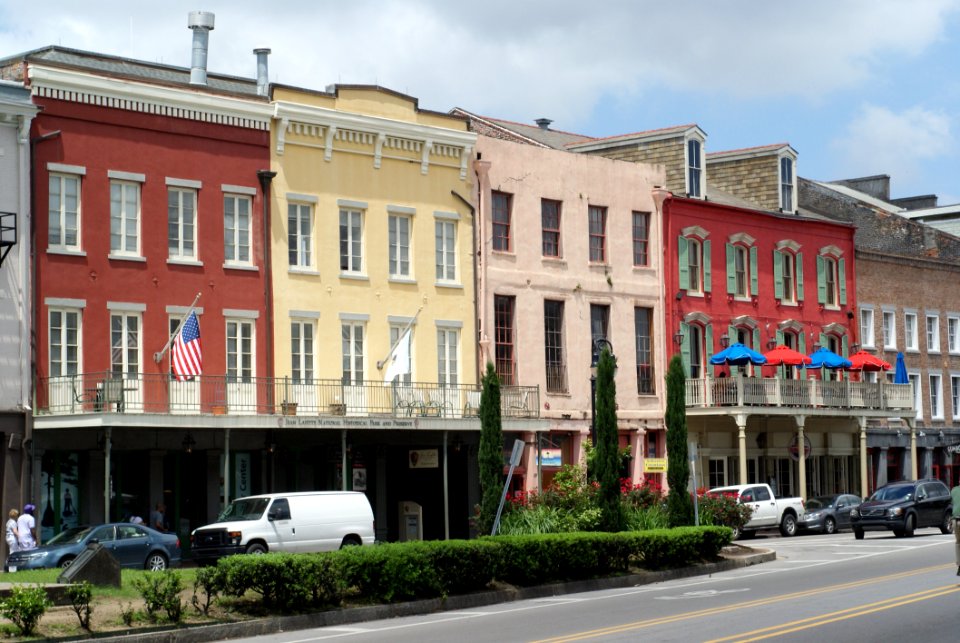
(755, 179)
(666, 152)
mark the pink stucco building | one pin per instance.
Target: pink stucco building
(569, 250)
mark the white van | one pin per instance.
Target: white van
(307, 521)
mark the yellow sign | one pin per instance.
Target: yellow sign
(654, 465)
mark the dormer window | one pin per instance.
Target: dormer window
(787, 184)
(694, 168)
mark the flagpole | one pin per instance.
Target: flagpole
(159, 356)
(381, 362)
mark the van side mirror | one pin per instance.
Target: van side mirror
(272, 515)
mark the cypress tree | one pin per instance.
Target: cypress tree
(606, 460)
(679, 503)
(491, 451)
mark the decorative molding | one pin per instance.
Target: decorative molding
(401, 209)
(357, 205)
(831, 250)
(303, 198)
(790, 324)
(238, 189)
(788, 244)
(695, 231)
(744, 320)
(133, 177)
(378, 152)
(696, 317)
(448, 323)
(450, 216)
(361, 317)
(65, 302)
(67, 169)
(304, 314)
(237, 313)
(184, 183)
(126, 307)
(742, 237)
(146, 98)
(183, 310)
(425, 156)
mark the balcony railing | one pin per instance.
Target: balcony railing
(811, 393)
(218, 395)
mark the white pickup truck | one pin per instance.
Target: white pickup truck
(767, 511)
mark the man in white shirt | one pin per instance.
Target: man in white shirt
(27, 528)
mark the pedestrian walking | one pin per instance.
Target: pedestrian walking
(158, 517)
(13, 535)
(955, 497)
(27, 528)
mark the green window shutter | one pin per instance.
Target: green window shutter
(777, 274)
(846, 346)
(683, 263)
(706, 266)
(842, 278)
(685, 348)
(821, 281)
(708, 329)
(802, 343)
(779, 338)
(756, 339)
(822, 338)
(754, 282)
(731, 269)
(732, 334)
(798, 266)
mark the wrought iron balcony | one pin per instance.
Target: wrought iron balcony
(811, 393)
(219, 395)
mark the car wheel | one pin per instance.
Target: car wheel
(788, 526)
(155, 562)
(946, 526)
(350, 541)
(829, 526)
(909, 526)
(858, 533)
(257, 549)
(748, 534)
(66, 561)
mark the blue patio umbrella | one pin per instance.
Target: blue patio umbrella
(826, 358)
(737, 355)
(900, 371)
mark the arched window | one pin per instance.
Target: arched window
(831, 278)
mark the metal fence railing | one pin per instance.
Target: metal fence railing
(810, 393)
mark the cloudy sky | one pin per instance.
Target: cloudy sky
(858, 87)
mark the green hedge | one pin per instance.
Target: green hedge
(435, 569)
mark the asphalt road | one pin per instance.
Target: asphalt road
(820, 588)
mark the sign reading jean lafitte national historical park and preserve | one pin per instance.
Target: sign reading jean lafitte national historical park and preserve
(324, 422)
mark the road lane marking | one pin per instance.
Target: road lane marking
(626, 627)
(841, 615)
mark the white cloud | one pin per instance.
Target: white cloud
(881, 141)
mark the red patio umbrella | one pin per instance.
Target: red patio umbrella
(785, 355)
(864, 361)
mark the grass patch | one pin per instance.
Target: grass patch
(126, 591)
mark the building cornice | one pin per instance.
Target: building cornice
(91, 89)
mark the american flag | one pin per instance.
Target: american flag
(185, 356)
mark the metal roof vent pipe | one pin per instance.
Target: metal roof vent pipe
(201, 23)
(543, 123)
(263, 76)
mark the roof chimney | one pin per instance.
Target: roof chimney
(543, 123)
(201, 23)
(263, 77)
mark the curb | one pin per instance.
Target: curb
(277, 624)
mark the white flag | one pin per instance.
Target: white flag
(400, 360)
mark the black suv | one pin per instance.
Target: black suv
(904, 506)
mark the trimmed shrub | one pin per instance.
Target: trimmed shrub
(288, 582)
(161, 591)
(25, 606)
(80, 595)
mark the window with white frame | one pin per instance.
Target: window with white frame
(301, 351)
(398, 241)
(351, 241)
(64, 212)
(866, 328)
(240, 350)
(446, 250)
(448, 349)
(694, 168)
(786, 184)
(889, 325)
(933, 333)
(64, 342)
(237, 232)
(787, 276)
(352, 348)
(694, 264)
(396, 331)
(911, 338)
(125, 347)
(914, 379)
(124, 218)
(955, 396)
(181, 223)
(936, 397)
(831, 288)
(953, 334)
(741, 270)
(300, 235)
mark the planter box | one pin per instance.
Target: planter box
(219, 409)
(338, 409)
(288, 408)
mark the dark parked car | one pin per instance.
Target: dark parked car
(827, 514)
(132, 545)
(903, 507)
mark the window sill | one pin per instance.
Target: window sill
(354, 276)
(598, 265)
(447, 284)
(401, 280)
(66, 252)
(554, 261)
(789, 304)
(889, 348)
(300, 270)
(933, 351)
(642, 268)
(914, 351)
(509, 253)
(241, 266)
(135, 258)
(693, 294)
(184, 262)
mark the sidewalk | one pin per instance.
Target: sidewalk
(734, 557)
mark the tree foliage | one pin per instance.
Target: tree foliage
(491, 451)
(606, 461)
(679, 504)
